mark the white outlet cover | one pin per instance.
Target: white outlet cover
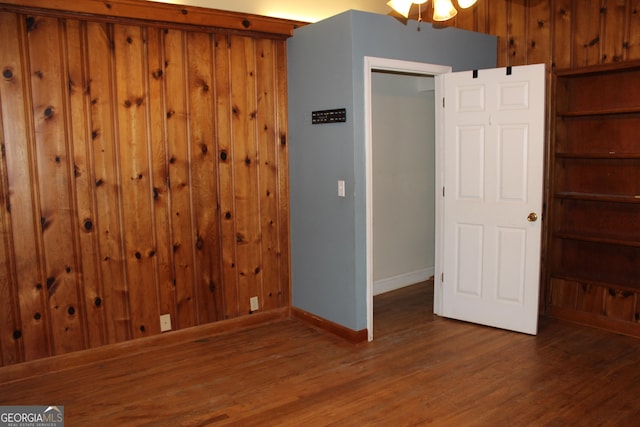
(253, 301)
(165, 322)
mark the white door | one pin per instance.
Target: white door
(491, 206)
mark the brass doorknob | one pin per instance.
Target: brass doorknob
(533, 217)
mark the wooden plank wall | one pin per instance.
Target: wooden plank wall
(143, 172)
(560, 33)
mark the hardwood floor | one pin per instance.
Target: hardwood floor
(420, 369)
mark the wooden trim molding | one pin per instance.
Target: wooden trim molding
(127, 348)
(594, 320)
(162, 12)
(354, 337)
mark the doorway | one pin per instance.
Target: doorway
(396, 75)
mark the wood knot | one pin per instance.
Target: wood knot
(138, 255)
(246, 23)
(157, 74)
(7, 73)
(204, 148)
(48, 112)
(199, 243)
(97, 302)
(88, 225)
(127, 103)
(31, 24)
(129, 39)
(37, 316)
(223, 155)
(184, 11)
(142, 328)
(283, 140)
(17, 334)
(227, 215)
(50, 282)
(71, 311)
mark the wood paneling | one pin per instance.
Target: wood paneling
(566, 33)
(161, 14)
(144, 172)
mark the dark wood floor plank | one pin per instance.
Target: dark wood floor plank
(420, 369)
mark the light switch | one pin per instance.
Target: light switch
(341, 192)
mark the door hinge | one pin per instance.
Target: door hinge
(442, 191)
(441, 277)
(442, 102)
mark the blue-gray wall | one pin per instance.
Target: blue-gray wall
(326, 71)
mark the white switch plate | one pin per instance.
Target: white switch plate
(341, 192)
(165, 322)
(254, 303)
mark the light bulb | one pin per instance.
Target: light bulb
(443, 10)
(466, 3)
(401, 6)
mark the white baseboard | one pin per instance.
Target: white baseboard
(400, 281)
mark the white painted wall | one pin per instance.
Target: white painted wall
(306, 11)
(403, 134)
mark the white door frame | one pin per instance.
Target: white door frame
(370, 64)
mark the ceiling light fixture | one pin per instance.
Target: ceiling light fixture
(442, 9)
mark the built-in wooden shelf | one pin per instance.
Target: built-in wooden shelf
(610, 198)
(600, 112)
(593, 218)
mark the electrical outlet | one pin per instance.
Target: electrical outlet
(165, 322)
(254, 303)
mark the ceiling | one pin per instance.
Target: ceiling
(298, 10)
